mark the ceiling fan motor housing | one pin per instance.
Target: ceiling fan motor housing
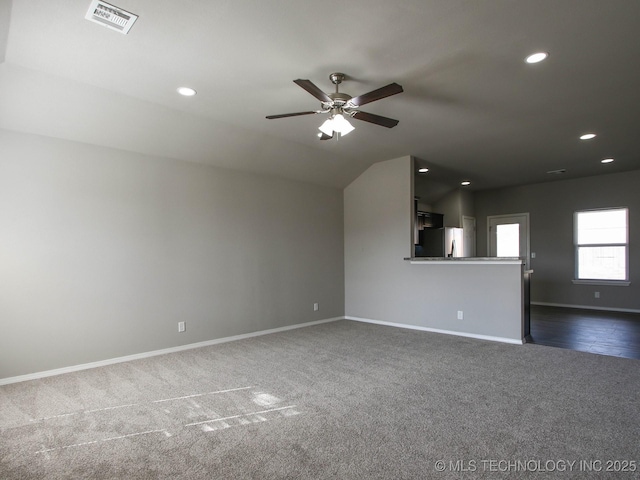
(338, 99)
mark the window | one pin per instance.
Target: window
(602, 245)
(508, 240)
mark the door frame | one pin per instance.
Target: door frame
(527, 252)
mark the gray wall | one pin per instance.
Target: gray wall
(381, 286)
(449, 206)
(467, 205)
(5, 17)
(454, 206)
(102, 252)
(551, 207)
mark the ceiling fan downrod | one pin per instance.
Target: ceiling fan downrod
(338, 99)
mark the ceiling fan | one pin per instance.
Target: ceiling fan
(340, 105)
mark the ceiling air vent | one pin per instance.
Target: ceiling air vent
(110, 16)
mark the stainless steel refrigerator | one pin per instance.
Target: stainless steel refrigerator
(440, 242)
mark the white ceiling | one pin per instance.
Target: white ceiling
(472, 109)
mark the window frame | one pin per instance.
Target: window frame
(576, 248)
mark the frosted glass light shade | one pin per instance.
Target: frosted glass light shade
(341, 125)
(327, 127)
(337, 124)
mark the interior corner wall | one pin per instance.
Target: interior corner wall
(551, 207)
(381, 286)
(454, 206)
(467, 207)
(5, 21)
(103, 252)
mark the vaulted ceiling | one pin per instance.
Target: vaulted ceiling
(472, 109)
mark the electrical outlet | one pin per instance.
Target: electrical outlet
(316, 307)
(182, 327)
(460, 315)
(596, 294)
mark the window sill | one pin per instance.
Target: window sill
(615, 283)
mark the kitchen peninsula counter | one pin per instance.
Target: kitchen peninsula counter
(466, 260)
(523, 279)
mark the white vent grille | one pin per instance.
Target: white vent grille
(110, 16)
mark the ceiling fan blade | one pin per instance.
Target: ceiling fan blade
(283, 115)
(310, 87)
(324, 136)
(383, 92)
(377, 119)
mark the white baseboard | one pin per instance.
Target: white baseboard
(587, 307)
(138, 356)
(437, 330)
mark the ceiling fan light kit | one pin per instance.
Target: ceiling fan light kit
(336, 124)
(340, 105)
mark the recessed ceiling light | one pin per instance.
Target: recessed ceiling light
(423, 170)
(587, 136)
(606, 160)
(536, 57)
(465, 183)
(186, 91)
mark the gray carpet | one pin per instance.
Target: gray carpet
(340, 400)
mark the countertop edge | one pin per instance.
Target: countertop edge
(465, 260)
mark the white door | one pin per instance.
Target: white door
(509, 236)
(469, 236)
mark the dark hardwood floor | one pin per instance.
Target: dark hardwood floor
(606, 333)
